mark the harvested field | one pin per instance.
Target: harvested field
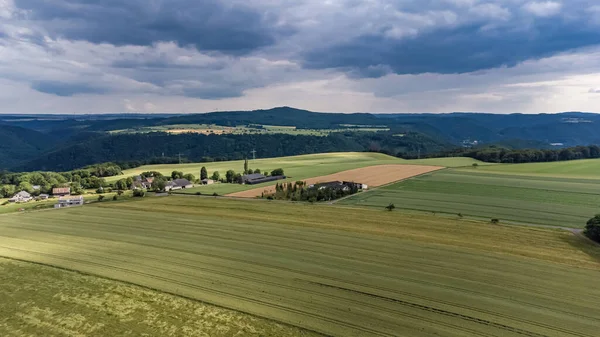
(373, 176)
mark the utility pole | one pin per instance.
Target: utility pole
(179, 154)
(253, 154)
(419, 153)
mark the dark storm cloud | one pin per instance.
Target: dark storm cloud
(209, 25)
(65, 89)
(454, 50)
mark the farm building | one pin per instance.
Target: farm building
(257, 178)
(21, 197)
(207, 181)
(69, 202)
(139, 182)
(178, 184)
(61, 191)
(339, 185)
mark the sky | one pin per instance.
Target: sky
(502, 56)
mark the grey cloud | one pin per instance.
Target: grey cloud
(209, 25)
(65, 88)
(457, 49)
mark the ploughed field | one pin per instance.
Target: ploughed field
(330, 269)
(372, 176)
(531, 199)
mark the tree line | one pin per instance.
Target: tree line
(494, 154)
(300, 191)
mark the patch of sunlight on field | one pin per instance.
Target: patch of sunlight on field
(39, 300)
(338, 270)
(585, 168)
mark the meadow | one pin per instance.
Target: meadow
(335, 270)
(543, 200)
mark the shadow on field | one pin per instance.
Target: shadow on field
(582, 243)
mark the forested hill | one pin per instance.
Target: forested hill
(18, 144)
(197, 147)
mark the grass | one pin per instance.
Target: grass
(336, 270)
(565, 202)
(39, 300)
(586, 168)
(295, 167)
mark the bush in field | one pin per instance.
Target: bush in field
(592, 228)
(495, 221)
(390, 207)
(277, 172)
(139, 193)
(215, 194)
(198, 193)
(475, 165)
(100, 197)
(115, 197)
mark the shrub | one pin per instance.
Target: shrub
(390, 207)
(139, 193)
(592, 228)
(475, 165)
(215, 194)
(100, 197)
(495, 221)
(198, 193)
(115, 197)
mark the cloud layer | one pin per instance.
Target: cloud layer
(338, 55)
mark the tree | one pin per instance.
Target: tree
(176, 174)
(215, 176)
(7, 191)
(159, 184)
(204, 173)
(495, 221)
(257, 171)
(246, 166)
(100, 197)
(277, 172)
(390, 207)
(592, 228)
(475, 165)
(121, 184)
(229, 176)
(189, 177)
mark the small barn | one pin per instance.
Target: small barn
(22, 196)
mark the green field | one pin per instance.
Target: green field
(295, 167)
(586, 168)
(566, 202)
(336, 270)
(39, 300)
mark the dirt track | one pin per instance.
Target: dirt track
(373, 176)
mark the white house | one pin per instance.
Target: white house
(21, 197)
(69, 202)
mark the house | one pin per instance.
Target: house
(69, 202)
(139, 182)
(178, 184)
(43, 197)
(257, 178)
(36, 187)
(207, 181)
(61, 191)
(21, 197)
(335, 185)
(358, 185)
